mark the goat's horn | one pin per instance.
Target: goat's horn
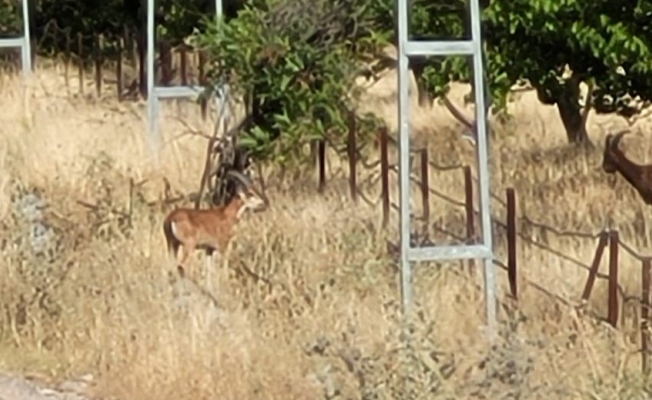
(246, 182)
(239, 176)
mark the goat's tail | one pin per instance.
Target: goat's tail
(171, 241)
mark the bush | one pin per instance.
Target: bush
(294, 65)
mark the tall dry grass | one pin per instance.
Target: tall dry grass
(87, 286)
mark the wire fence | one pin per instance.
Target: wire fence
(605, 241)
(182, 65)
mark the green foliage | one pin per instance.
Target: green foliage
(10, 18)
(56, 21)
(86, 18)
(534, 40)
(295, 63)
(177, 19)
(440, 20)
(53, 20)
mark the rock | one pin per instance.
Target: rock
(16, 388)
(77, 385)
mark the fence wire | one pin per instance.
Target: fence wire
(52, 31)
(375, 176)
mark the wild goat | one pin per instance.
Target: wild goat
(614, 160)
(210, 229)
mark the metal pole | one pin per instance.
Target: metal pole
(218, 8)
(483, 173)
(152, 99)
(222, 92)
(404, 155)
(26, 49)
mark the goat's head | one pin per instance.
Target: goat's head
(251, 197)
(611, 152)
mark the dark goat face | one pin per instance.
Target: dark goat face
(608, 164)
(611, 151)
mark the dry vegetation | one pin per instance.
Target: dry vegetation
(86, 288)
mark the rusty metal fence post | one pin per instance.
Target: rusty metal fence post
(66, 65)
(99, 62)
(645, 313)
(614, 244)
(321, 165)
(202, 81)
(470, 214)
(351, 148)
(511, 242)
(384, 173)
(118, 68)
(595, 266)
(425, 187)
(183, 65)
(166, 61)
(80, 55)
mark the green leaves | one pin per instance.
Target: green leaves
(537, 40)
(553, 44)
(10, 21)
(295, 61)
(297, 71)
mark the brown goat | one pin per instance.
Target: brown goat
(614, 160)
(210, 229)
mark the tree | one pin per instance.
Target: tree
(294, 63)
(555, 46)
(595, 39)
(434, 20)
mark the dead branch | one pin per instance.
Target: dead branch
(589, 103)
(189, 131)
(97, 208)
(458, 114)
(212, 150)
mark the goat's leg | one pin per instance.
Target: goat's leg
(179, 261)
(174, 257)
(187, 250)
(209, 269)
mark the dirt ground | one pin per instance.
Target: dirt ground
(87, 286)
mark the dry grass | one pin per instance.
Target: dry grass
(325, 325)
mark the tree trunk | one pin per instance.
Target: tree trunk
(571, 114)
(418, 65)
